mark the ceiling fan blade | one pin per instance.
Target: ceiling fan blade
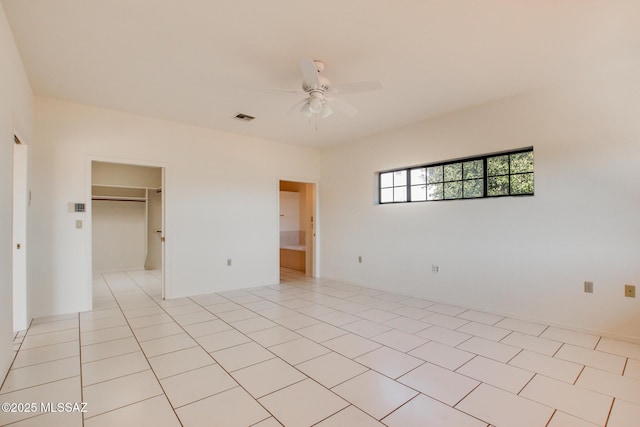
(357, 87)
(277, 89)
(343, 107)
(326, 111)
(297, 105)
(310, 73)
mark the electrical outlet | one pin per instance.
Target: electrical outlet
(588, 287)
(229, 262)
(360, 259)
(435, 268)
(630, 291)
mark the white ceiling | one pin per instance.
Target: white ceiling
(202, 61)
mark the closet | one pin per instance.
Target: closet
(126, 217)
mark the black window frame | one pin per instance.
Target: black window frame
(485, 178)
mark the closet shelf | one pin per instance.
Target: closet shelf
(120, 199)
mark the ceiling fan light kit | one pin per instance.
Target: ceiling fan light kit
(320, 92)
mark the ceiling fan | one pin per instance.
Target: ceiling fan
(320, 100)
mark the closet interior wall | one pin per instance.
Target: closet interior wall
(126, 217)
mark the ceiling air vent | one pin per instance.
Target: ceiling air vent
(244, 117)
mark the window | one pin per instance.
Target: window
(494, 175)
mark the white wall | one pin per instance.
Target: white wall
(221, 193)
(16, 103)
(524, 256)
(119, 234)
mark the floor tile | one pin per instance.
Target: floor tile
(151, 412)
(157, 331)
(484, 331)
(572, 337)
(320, 332)
(236, 315)
(253, 324)
(374, 393)
(416, 302)
(613, 385)
(421, 408)
(351, 345)
(389, 362)
(480, 317)
(444, 335)
(220, 340)
(442, 355)
(269, 422)
(58, 325)
(303, 404)
(183, 309)
(449, 310)
(522, 326)
(547, 366)
(46, 354)
(497, 374)
(117, 393)
(499, 408)
(102, 335)
(366, 328)
(594, 358)
(399, 340)
(185, 388)
(197, 330)
(444, 320)
(154, 319)
(241, 356)
(632, 370)
(180, 361)
(439, 383)
(407, 324)
(492, 350)
(63, 419)
(621, 348)
(113, 367)
(50, 338)
(350, 417)
(412, 312)
(234, 407)
(195, 317)
(278, 313)
(338, 318)
(561, 419)
(168, 344)
(377, 315)
(273, 336)
(66, 390)
(42, 373)
(577, 401)
(296, 322)
(529, 342)
(331, 369)
(623, 414)
(298, 351)
(106, 322)
(266, 377)
(144, 311)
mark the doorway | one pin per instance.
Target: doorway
(127, 217)
(297, 202)
(19, 235)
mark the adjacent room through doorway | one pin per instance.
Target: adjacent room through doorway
(297, 227)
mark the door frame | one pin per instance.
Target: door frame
(19, 228)
(315, 259)
(165, 282)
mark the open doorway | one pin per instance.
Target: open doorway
(127, 217)
(297, 227)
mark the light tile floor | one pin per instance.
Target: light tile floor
(312, 352)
